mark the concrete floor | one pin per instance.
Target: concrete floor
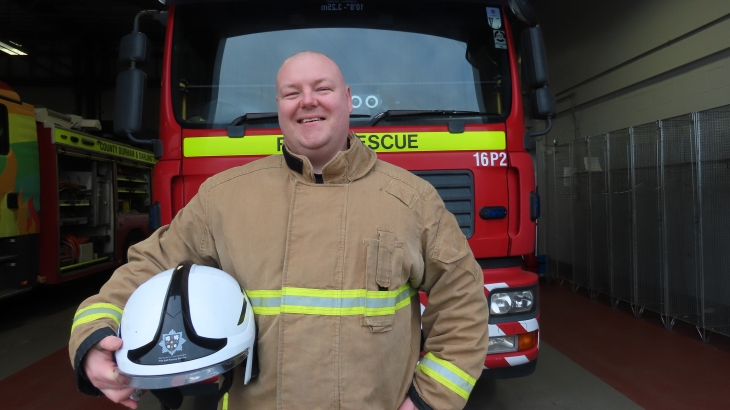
(571, 373)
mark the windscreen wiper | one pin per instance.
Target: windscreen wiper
(423, 113)
(236, 129)
(253, 116)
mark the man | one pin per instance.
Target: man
(330, 223)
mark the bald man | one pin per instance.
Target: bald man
(339, 243)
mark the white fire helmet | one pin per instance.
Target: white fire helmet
(183, 326)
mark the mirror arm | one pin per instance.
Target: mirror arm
(153, 13)
(529, 143)
(543, 132)
(156, 144)
(137, 141)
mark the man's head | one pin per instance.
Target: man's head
(314, 107)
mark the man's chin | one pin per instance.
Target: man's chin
(312, 142)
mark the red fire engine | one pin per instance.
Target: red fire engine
(436, 89)
(72, 202)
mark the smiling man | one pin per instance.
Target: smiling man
(331, 245)
(314, 107)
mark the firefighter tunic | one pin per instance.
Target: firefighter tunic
(332, 271)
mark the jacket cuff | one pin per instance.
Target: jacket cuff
(82, 380)
(417, 400)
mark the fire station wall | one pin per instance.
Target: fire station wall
(621, 63)
(59, 99)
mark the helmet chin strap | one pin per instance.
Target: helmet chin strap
(170, 398)
(227, 383)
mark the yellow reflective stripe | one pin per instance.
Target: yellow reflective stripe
(225, 401)
(97, 311)
(91, 318)
(388, 293)
(267, 311)
(453, 378)
(91, 143)
(444, 381)
(434, 141)
(263, 293)
(223, 146)
(322, 311)
(329, 302)
(99, 306)
(324, 293)
(462, 374)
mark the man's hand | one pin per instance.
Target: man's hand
(104, 374)
(407, 405)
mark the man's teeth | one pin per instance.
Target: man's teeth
(306, 120)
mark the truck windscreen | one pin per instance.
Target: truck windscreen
(394, 55)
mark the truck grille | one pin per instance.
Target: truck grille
(456, 188)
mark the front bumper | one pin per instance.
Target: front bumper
(517, 363)
(513, 359)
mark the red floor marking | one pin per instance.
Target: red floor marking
(656, 368)
(49, 383)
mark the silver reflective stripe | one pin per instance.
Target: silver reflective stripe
(330, 302)
(322, 302)
(97, 311)
(265, 302)
(447, 374)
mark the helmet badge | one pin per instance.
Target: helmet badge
(172, 342)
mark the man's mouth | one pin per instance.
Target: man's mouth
(308, 120)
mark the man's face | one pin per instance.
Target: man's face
(314, 106)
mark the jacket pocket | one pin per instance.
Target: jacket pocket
(384, 280)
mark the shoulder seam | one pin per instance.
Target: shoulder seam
(420, 192)
(242, 174)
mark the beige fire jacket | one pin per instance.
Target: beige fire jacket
(332, 271)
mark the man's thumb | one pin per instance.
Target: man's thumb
(110, 343)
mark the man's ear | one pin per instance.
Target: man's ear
(349, 97)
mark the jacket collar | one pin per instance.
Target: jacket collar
(346, 166)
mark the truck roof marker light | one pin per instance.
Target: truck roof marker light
(526, 341)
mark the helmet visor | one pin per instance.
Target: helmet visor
(181, 379)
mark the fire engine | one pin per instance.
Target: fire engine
(437, 89)
(72, 203)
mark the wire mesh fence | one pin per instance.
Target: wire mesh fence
(619, 213)
(638, 214)
(557, 195)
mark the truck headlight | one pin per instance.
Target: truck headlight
(517, 301)
(502, 344)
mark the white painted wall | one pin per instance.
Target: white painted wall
(689, 75)
(586, 38)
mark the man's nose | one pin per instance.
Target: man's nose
(309, 99)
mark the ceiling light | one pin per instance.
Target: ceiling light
(13, 51)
